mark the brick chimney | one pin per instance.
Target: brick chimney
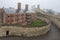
(26, 7)
(19, 6)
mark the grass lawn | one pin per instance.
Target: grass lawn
(38, 23)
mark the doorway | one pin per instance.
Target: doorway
(7, 32)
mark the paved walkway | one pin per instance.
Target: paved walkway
(53, 34)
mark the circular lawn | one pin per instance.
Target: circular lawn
(38, 23)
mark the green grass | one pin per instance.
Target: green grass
(38, 23)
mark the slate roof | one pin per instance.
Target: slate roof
(10, 10)
(13, 11)
(30, 11)
(21, 11)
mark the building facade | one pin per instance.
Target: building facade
(1, 15)
(11, 16)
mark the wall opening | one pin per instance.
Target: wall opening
(7, 32)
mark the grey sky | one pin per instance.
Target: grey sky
(46, 4)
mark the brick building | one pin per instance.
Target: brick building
(11, 16)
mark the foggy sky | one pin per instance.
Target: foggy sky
(44, 4)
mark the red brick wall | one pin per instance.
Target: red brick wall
(17, 18)
(14, 18)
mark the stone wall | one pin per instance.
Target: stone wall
(24, 31)
(56, 21)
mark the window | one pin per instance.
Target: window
(7, 20)
(15, 15)
(22, 18)
(12, 20)
(16, 19)
(8, 16)
(11, 15)
(22, 14)
(18, 15)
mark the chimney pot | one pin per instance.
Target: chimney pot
(19, 6)
(26, 7)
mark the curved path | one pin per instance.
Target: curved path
(53, 34)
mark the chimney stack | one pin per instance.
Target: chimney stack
(19, 6)
(26, 7)
(38, 6)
